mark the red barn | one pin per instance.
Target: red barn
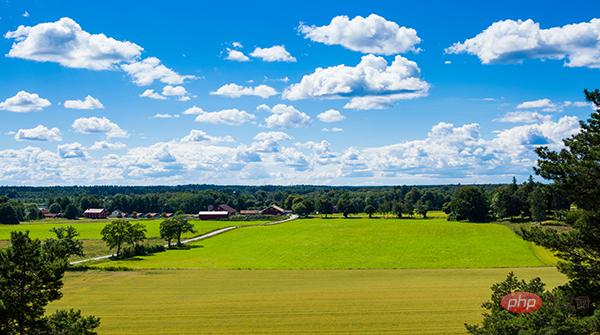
(95, 213)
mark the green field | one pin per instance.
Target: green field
(286, 301)
(354, 244)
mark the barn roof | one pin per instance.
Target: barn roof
(94, 211)
(213, 213)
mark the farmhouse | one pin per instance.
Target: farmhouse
(167, 215)
(95, 213)
(226, 208)
(118, 214)
(273, 210)
(152, 215)
(211, 215)
(249, 212)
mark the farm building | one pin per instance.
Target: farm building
(226, 208)
(118, 214)
(167, 215)
(211, 215)
(273, 210)
(249, 212)
(95, 213)
(152, 215)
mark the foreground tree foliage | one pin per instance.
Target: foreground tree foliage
(31, 273)
(575, 171)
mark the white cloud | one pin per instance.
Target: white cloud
(196, 135)
(170, 91)
(263, 107)
(371, 34)
(165, 116)
(231, 117)
(236, 56)
(150, 69)
(546, 105)
(577, 104)
(102, 125)
(39, 133)
(276, 53)
(371, 84)
(236, 44)
(24, 102)
(151, 94)
(269, 141)
(194, 110)
(25, 14)
(512, 41)
(285, 116)
(331, 115)
(64, 42)
(236, 91)
(72, 150)
(333, 130)
(89, 102)
(105, 145)
(447, 62)
(545, 133)
(524, 117)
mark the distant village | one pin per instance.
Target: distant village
(222, 211)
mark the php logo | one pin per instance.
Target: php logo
(521, 302)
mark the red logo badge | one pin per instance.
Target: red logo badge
(521, 302)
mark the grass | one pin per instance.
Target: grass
(286, 301)
(354, 244)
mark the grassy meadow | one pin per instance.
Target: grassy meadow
(286, 301)
(358, 243)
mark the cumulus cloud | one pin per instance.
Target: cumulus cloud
(196, 135)
(151, 94)
(231, 117)
(236, 56)
(194, 110)
(524, 117)
(371, 34)
(64, 42)
(544, 133)
(371, 84)
(93, 125)
(285, 116)
(150, 69)
(39, 133)
(511, 41)
(269, 141)
(331, 115)
(72, 150)
(105, 145)
(276, 53)
(236, 91)
(333, 129)
(24, 102)
(89, 102)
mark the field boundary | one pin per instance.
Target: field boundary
(197, 238)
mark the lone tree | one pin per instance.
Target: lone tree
(422, 207)
(31, 273)
(71, 212)
(173, 228)
(120, 232)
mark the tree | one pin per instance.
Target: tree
(556, 316)
(504, 201)
(300, 208)
(398, 208)
(324, 206)
(31, 275)
(538, 204)
(370, 209)
(120, 232)
(8, 215)
(71, 212)
(422, 207)
(55, 208)
(344, 206)
(469, 203)
(71, 322)
(173, 228)
(32, 212)
(575, 170)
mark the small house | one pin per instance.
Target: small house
(95, 213)
(167, 215)
(118, 214)
(212, 215)
(226, 208)
(152, 215)
(249, 212)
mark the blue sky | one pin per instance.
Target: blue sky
(416, 93)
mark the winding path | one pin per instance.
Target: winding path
(198, 238)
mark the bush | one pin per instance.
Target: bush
(141, 250)
(572, 216)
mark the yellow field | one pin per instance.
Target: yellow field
(286, 301)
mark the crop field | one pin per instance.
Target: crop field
(359, 243)
(287, 301)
